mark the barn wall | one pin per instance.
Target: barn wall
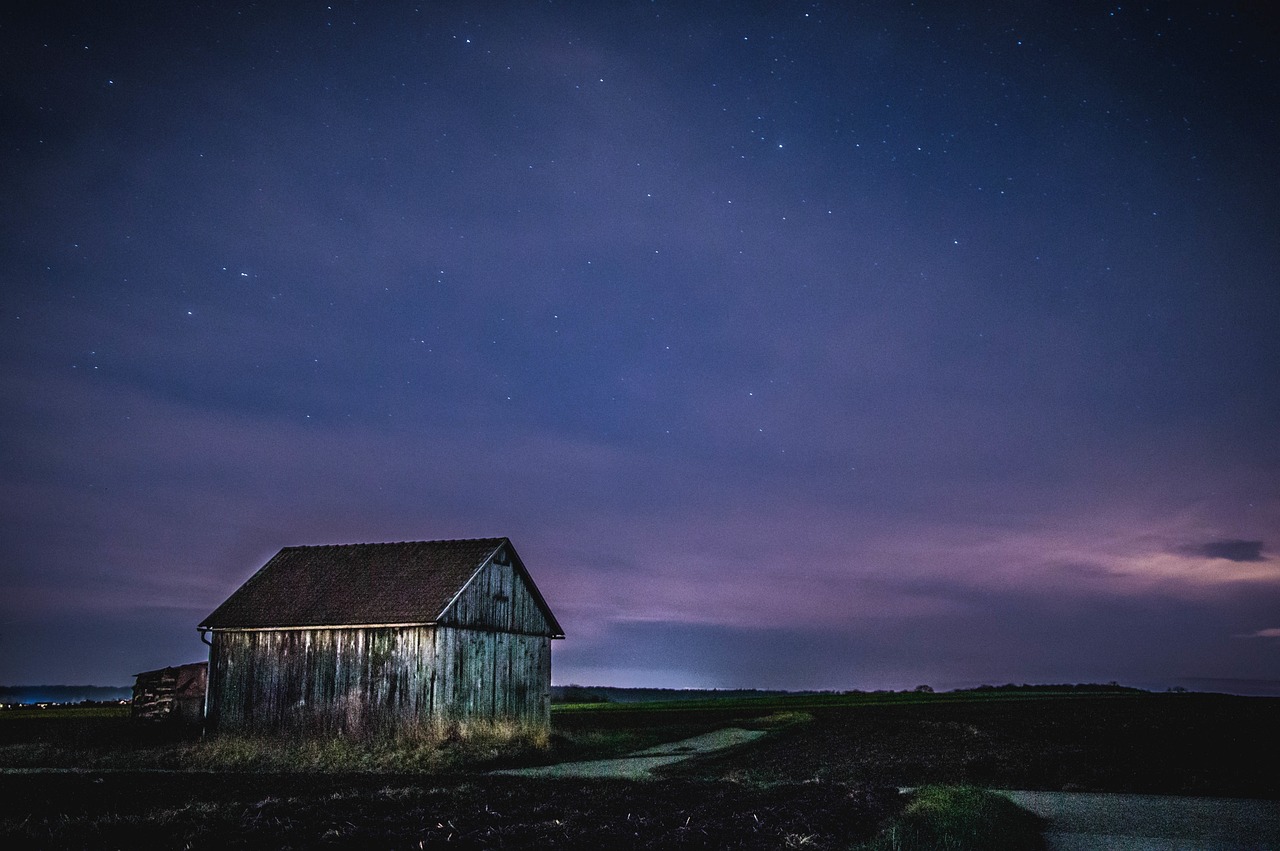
(363, 681)
(487, 674)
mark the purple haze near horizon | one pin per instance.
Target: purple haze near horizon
(794, 345)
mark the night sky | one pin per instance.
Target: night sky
(794, 345)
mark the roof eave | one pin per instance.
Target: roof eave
(208, 628)
(557, 631)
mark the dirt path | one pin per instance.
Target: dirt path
(1082, 820)
(639, 765)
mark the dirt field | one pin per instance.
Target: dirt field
(824, 776)
(230, 811)
(1179, 744)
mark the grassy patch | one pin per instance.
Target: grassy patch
(36, 715)
(97, 741)
(779, 720)
(960, 818)
(430, 749)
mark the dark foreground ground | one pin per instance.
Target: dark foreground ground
(825, 777)
(295, 811)
(1167, 744)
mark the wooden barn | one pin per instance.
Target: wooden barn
(364, 639)
(173, 694)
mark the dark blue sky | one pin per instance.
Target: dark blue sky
(795, 345)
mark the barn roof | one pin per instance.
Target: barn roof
(411, 582)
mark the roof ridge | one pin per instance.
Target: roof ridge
(395, 543)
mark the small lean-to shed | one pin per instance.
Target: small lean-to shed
(171, 694)
(364, 639)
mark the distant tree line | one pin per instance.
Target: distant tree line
(1090, 687)
(575, 693)
(64, 694)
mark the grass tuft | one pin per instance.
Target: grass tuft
(429, 748)
(779, 720)
(960, 818)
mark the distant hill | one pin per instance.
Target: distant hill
(1251, 688)
(63, 694)
(612, 694)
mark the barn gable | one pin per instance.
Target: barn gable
(501, 595)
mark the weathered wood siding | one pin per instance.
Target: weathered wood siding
(375, 680)
(488, 658)
(171, 694)
(497, 597)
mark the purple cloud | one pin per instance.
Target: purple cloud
(1229, 550)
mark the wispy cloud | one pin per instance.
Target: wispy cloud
(1229, 550)
(1270, 632)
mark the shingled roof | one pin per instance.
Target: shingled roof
(361, 584)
